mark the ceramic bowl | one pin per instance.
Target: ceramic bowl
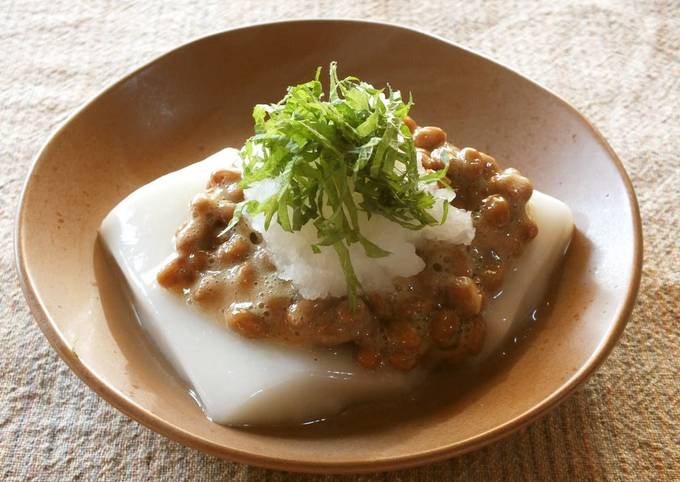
(197, 99)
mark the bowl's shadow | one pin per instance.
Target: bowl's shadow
(136, 347)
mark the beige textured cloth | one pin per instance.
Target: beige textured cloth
(616, 61)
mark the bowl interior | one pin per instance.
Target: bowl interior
(198, 99)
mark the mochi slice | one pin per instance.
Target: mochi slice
(246, 382)
(525, 286)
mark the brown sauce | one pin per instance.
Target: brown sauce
(430, 318)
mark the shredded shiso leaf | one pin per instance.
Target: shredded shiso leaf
(332, 159)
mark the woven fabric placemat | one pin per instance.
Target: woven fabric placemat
(615, 61)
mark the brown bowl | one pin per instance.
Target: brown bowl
(197, 99)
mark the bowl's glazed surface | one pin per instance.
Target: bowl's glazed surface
(197, 99)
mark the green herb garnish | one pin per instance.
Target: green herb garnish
(333, 158)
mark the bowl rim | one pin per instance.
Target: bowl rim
(147, 418)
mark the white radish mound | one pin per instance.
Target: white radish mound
(319, 275)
